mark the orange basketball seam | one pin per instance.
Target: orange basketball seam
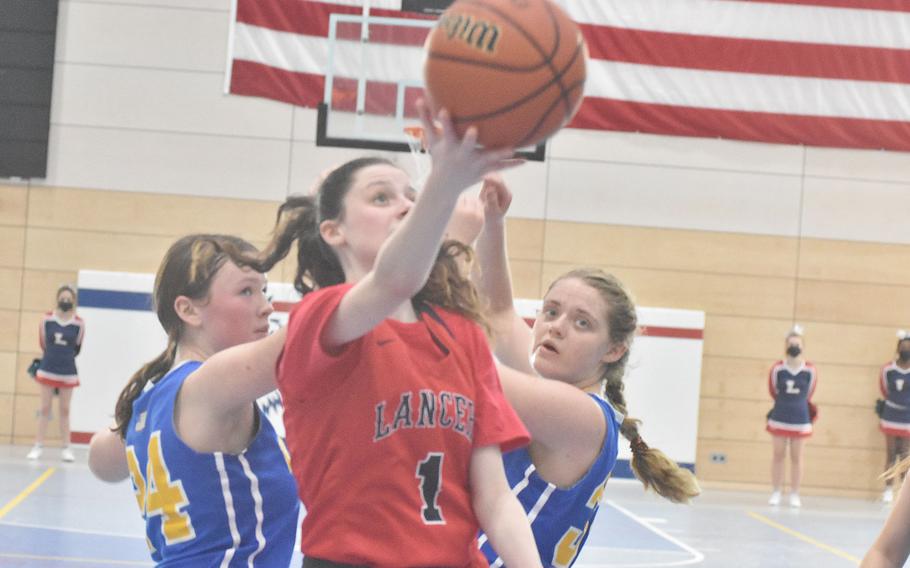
(548, 59)
(524, 100)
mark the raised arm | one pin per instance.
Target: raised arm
(892, 546)
(498, 511)
(407, 256)
(559, 416)
(233, 378)
(512, 336)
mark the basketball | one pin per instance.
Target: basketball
(515, 69)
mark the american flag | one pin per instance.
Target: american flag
(815, 72)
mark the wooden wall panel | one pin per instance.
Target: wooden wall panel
(849, 344)
(735, 378)
(39, 288)
(849, 261)
(712, 293)
(29, 324)
(846, 427)
(525, 239)
(6, 416)
(149, 214)
(66, 250)
(25, 423)
(850, 302)
(12, 246)
(10, 288)
(671, 249)
(826, 469)
(729, 336)
(9, 330)
(7, 372)
(732, 419)
(526, 279)
(13, 203)
(847, 385)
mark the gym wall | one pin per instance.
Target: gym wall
(144, 147)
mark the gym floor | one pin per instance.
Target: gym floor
(57, 514)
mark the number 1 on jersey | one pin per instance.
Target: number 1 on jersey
(429, 472)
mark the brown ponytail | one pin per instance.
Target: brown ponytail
(151, 371)
(650, 465)
(187, 270)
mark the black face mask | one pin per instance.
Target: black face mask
(794, 351)
(904, 354)
(65, 305)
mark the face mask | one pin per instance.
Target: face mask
(905, 354)
(794, 351)
(65, 305)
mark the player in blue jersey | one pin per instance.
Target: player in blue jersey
(211, 476)
(60, 335)
(791, 382)
(894, 383)
(579, 347)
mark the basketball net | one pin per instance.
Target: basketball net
(422, 161)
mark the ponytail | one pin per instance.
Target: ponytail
(317, 265)
(151, 371)
(650, 465)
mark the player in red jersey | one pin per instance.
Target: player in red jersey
(394, 412)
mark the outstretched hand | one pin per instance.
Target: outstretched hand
(495, 196)
(459, 163)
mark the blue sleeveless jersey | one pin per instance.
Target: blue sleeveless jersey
(209, 510)
(560, 518)
(895, 386)
(792, 389)
(62, 341)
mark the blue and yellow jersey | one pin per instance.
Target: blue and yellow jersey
(560, 518)
(201, 509)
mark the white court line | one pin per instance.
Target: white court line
(696, 555)
(655, 520)
(67, 529)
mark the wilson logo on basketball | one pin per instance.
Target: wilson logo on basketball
(478, 34)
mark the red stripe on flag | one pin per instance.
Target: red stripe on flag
(311, 18)
(259, 80)
(748, 55)
(610, 114)
(884, 5)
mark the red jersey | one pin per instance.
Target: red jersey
(381, 434)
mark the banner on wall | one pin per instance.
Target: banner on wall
(123, 333)
(807, 72)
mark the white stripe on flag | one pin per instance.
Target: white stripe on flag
(748, 92)
(606, 79)
(752, 20)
